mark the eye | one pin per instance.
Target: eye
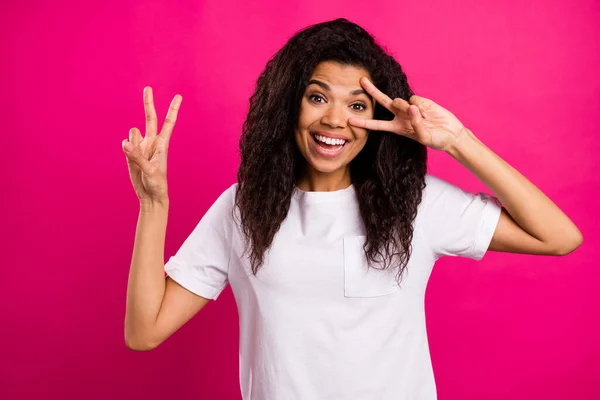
(315, 96)
(361, 106)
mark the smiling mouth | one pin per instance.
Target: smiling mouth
(328, 143)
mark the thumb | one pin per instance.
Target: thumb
(415, 117)
(420, 103)
(416, 100)
(414, 112)
(135, 158)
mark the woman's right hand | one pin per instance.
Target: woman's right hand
(147, 156)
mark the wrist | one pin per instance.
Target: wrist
(461, 141)
(154, 204)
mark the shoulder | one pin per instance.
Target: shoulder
(227, 198)
(435, 184)
(221, 210)
(441, 199)
(435, 189)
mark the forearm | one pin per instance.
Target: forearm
(528, 206)
(146, 284)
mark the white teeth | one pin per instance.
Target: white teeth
(330, 141)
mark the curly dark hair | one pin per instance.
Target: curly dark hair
(388, 174)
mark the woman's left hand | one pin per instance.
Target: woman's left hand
(420, 119)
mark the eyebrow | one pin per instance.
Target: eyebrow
(326, 87)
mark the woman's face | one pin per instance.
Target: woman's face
(323, 135)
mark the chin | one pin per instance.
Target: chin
(325, 167)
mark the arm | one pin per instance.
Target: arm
(156, 306)
(530, 222)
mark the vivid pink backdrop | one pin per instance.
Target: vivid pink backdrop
(524, 78)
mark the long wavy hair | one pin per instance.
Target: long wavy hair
(388, 174)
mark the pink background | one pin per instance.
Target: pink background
(523, 77)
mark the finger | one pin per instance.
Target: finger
(129, 145)
(420, 103)
(171, 118)
(400, 104)
(416, 121)
(372, 124)
(377, 94)
(414, 99)
(135, 136)
(135, 159)
(151, 120)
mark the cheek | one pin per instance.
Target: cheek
(301, 127)
(361, 135)
(306, 118)
(361, 143)
(300, 142)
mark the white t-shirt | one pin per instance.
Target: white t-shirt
(314, 324)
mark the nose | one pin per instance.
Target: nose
(334, 117)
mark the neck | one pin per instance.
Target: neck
(317, 181)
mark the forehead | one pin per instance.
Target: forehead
(337, 74)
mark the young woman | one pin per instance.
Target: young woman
(331, 232)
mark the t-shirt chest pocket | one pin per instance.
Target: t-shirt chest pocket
(361, 281)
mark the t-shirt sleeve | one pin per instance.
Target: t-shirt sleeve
(202, 262)
(457, 222)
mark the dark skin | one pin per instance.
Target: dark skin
(530, 223)
(420, 119)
